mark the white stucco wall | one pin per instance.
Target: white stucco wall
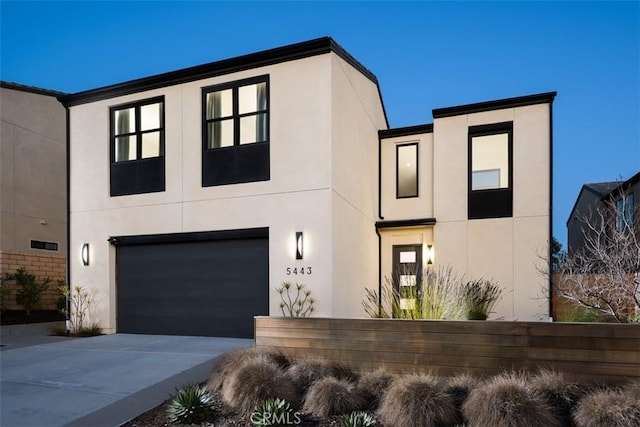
(504, 249)
(356, 117)
(322, 113)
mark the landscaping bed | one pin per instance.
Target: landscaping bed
(322, 393)
(19, 317)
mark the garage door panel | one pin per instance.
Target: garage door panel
(209, 288)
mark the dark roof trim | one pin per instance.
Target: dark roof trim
(278, 55)
(31, 89)
(405, 223)
(520, 101)
(201, 236)
(406, 131)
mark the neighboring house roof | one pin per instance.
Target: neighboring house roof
(32, 89)
(602, 190)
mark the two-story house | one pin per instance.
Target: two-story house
(616, 202)
(194, 194)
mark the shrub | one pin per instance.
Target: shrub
(30, 288)
(358, 419)
(373, 384)
(191, 404)
(611, 408)
(331, 396)
(254, 381)
(436, 296)
(414, 400)
(274, 412)
(298, 305)
(458, 387)
(80, 302)
(507, 401)
(561, 394)
(479, 298)
(306, 371)
(632, 389)
(225, 364)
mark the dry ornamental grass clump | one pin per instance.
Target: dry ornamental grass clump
(416, 400)
(225, 364)
(610, 408)
(330, 396)
(306, 371)
(560, 393)
(254, 381)
(373, 384)
(507, 401)
(458, 387)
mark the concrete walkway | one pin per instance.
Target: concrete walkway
(99, 381)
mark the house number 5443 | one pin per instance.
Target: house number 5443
(298, 270)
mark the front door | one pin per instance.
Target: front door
(407, 274)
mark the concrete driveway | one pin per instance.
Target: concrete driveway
(99, 381)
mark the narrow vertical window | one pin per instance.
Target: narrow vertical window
(407, 170)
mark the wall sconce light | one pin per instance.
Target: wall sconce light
(85, 254)
(430, 253)
(299, 251)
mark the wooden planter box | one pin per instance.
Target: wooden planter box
(586, 351)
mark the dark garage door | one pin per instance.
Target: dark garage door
(205, 288)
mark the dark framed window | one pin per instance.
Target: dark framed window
(624, 212)
(407, 170)
(137, 147)
(45, 246)
(490, 171)
(235, 132)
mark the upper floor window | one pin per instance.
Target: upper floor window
(138, 130)
(624, 212)
(407, 170)
(137, 147)
(236, 132)
(490, 171)
(236, 115)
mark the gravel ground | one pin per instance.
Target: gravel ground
(222, 418)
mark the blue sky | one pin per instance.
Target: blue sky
(425, 54)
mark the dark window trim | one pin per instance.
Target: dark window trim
(234, 86)
(142, 175)
(411, 196)
(198, 236)
(138, 132)
(490, 203)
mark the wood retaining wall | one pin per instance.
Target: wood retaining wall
(586, 351)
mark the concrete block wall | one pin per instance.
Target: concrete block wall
(41, 265)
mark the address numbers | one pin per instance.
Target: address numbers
(298, 271)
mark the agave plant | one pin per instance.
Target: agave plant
(358, 419)
(191, 404)
(274, 412)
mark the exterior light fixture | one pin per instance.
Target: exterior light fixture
(299, 251)
(430, 254)
(85, 254)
